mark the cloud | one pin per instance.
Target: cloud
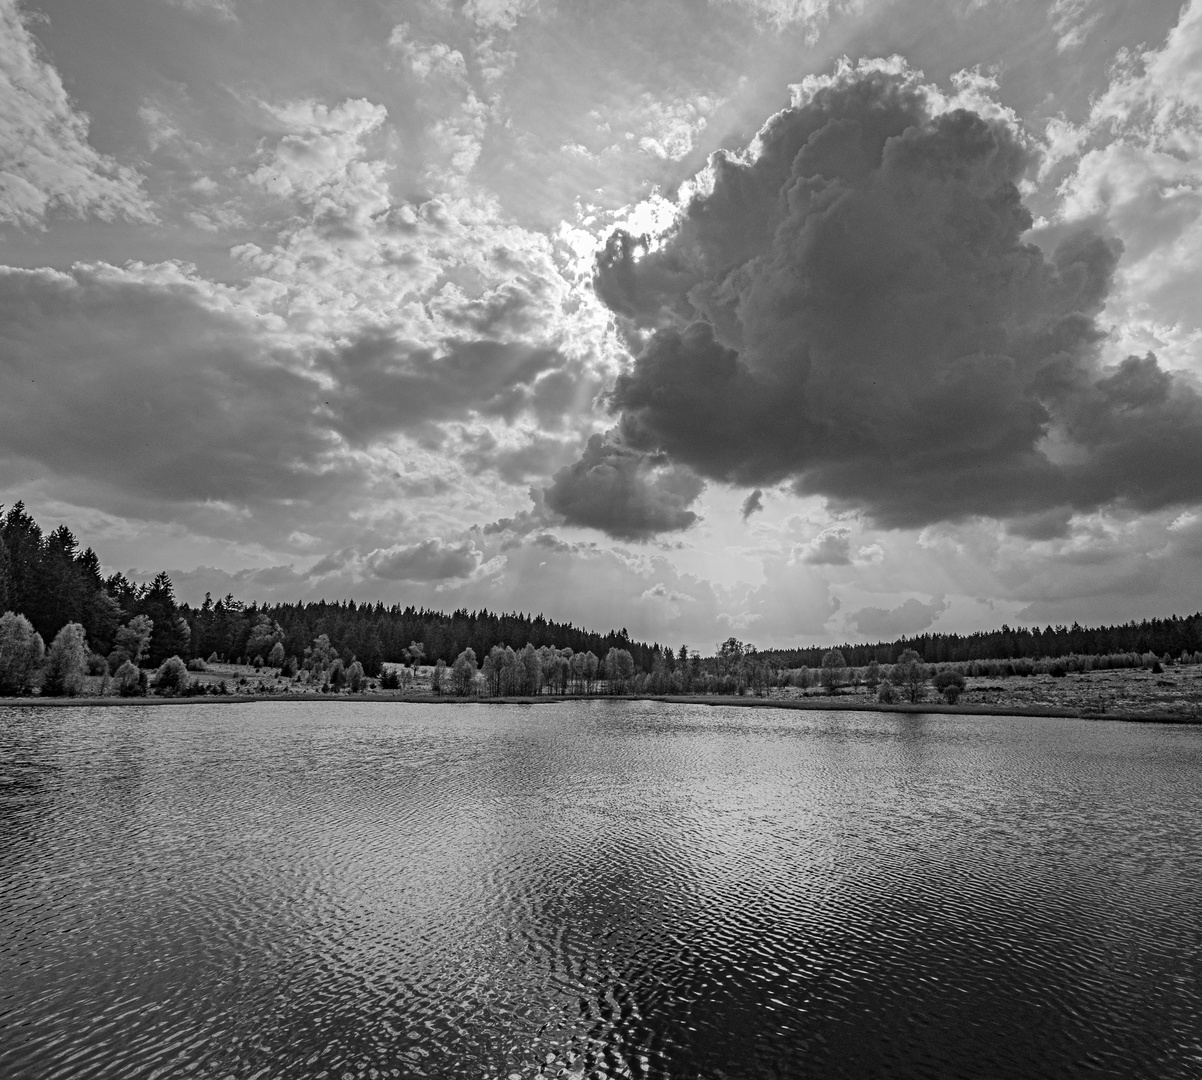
(322, 150)
(1140, 171)
(217, 9)
(753, 503)
(812, 15)
(912, 617)
(1072, 20)
(831, 547)
(183, 396)
(668, 131)
(851, 305)
(625, 493)
(47, 164)
(430, 560)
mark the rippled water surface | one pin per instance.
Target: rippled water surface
(599, 888)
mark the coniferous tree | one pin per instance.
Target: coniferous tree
(5, 575)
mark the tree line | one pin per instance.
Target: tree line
(1173, 635)
(49, 581)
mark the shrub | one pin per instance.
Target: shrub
(1058, 670)
(97, 665)
(1156, 668)
(886, 694)
(258, 663)
(949, 683)
(288, 668)
(197, 664)
(116, 659)
(171, 680)
(390, 680)
(21, 652)
(129, 680)
(213, 658)
(66, 662)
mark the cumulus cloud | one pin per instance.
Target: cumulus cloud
(625, 493)
(912, 617)
(851, 305)
(431, 560)
(321, 149)
(753, 503)
(46, 161)
(831, 547)
(1140, 171)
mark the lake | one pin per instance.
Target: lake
(586, 889)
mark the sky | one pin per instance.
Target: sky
(795, 320)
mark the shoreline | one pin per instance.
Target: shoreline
(803, 705)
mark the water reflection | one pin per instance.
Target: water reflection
(594, 889)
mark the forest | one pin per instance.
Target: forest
(49, 580)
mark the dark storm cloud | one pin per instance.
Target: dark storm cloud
(624, 492)
(143, 387)
(753, 503)
(852, 308)
(384, 383)
(150, 392)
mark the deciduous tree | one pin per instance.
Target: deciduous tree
(66, 662)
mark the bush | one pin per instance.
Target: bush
(951, 694)
(97, 665)
(116, 659)
(886, 695)
(21, 652)
(288, 668)
(129, 680)
(66, 662)
(213, 658)
(258, 662)
(390, 680)
(947, 678)
(197, 664)
(171, 680)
